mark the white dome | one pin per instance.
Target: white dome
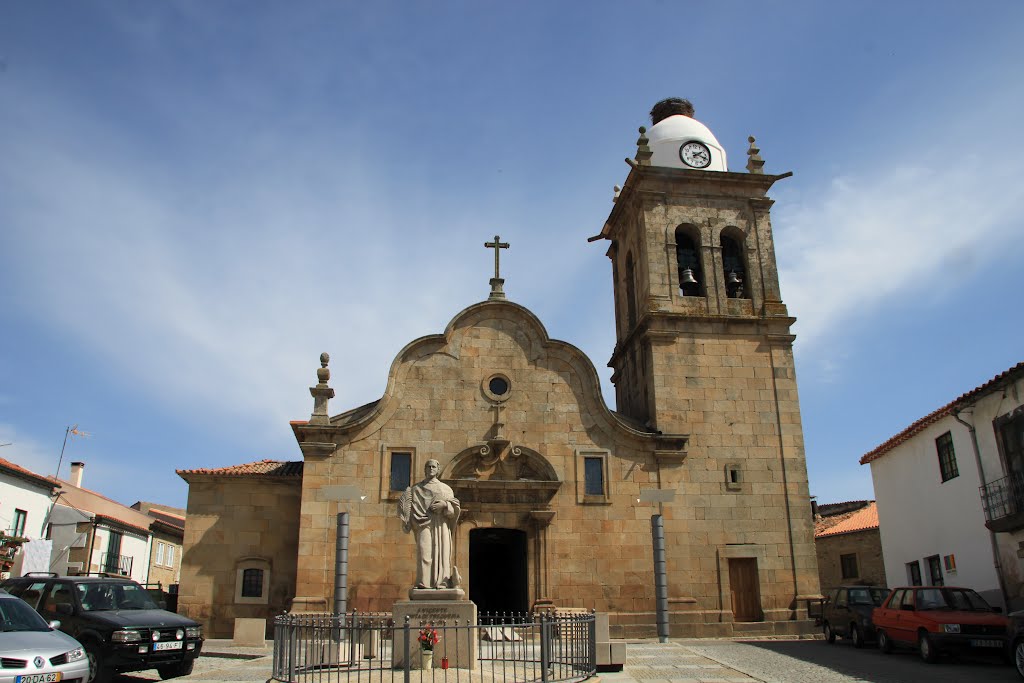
(669, 136)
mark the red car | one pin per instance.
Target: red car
(936, 619)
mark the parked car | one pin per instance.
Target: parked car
(116, 621)
(935, 619)
(1017, 641)
(847, 613)
(33, 651)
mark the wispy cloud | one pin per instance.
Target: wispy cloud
(896, 237)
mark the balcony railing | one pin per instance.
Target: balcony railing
(1003, 500)
(116, 564)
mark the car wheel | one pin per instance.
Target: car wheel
(1018, 657)
(856, 637)
(97, 671)
(830, 635)
(884, 644)
(926, 647)
(176, 670)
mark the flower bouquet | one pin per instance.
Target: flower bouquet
(428, 638)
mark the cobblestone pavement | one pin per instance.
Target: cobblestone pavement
(678, 661)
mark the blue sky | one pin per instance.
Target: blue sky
(197, 198)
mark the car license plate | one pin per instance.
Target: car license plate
(976, 642)
(169, 645)
(38, 678)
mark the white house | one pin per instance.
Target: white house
(25, 502)
(950, 493)
(92, 533)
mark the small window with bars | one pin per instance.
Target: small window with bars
(252, 583)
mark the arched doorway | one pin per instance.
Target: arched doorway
(498, 570)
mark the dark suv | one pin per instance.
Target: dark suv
(116, 620)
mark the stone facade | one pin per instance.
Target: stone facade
(865, 546)
(239, 518)
(552, 482)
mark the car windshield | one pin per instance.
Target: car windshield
(967, 600)
(18, 616)
(951, 599)
(867, 596)
(97, 597)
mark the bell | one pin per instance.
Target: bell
(733, 279)
(686, 278)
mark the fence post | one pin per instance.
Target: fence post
(405, 647)
(293, 647)
(545, 647)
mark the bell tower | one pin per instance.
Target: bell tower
(701, 329)
(704, 348)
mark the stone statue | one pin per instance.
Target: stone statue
(429, 509)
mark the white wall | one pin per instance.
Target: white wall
(984, 412)
(63, 522)
(18, 494)
(920, 515)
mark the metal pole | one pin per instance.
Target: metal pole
(341, 567)
(405, 649)
(660, 577)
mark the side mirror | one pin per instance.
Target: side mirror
(65, 608)
(997, 610)
(162, 604)
(55, 625)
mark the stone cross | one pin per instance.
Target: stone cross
(496, 245)
(496, 281)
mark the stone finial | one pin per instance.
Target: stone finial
(321, 393)
(755, 164)
(643, 149)
(616, 192)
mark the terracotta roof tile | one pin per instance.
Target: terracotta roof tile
(18, 469)
(265, 468)
(859, 520)
(935, 416)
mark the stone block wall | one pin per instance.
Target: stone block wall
(867, 545)
(230, 519)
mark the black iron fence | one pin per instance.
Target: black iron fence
(322, 648)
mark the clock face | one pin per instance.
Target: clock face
(695, 154)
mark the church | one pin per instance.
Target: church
(556, 488)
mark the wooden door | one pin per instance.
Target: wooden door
(746, 593)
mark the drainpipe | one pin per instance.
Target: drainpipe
(92, 543)
(991, 534)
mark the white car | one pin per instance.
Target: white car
(32, 651)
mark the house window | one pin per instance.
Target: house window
(170, 555)
(252, 583)
(914, 573)
(947, 457)
(688, 264)
(934, 570)
(159, 553)
(112, 560)
(1011, 437)
(20, 518)
(591, 477)
(401, 471)
(594, 476)
(849, 565)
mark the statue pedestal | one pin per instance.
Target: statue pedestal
(458, 645)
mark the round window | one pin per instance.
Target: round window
(497, 387)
